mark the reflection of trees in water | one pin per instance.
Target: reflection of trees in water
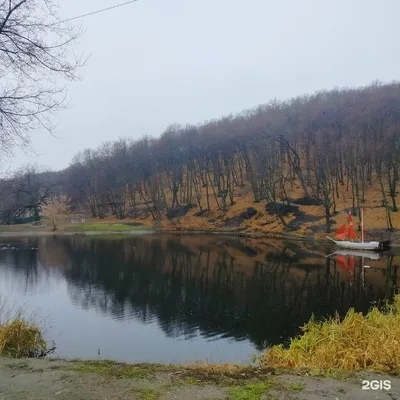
(24, 263)
(190, 289)
(199, 289)
(27, 259)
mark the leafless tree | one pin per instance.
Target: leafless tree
(24, 194)
(36, 60)
(57, 208)
(319, 146)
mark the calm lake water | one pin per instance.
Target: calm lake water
(182, 298)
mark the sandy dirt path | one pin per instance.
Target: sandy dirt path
(56, 379)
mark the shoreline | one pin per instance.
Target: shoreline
(231, 233)
(250, 235)
(51, 378)
(237, 234)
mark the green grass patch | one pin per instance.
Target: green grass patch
(117, 370)
(251, 391)
(297, 387)
(338, 375)
(106, 227)
(355, 343)
(110, 236)
(20, 366)
(16, 228)
(222, 375)
(147, 394)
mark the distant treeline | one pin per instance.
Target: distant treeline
(322, 143)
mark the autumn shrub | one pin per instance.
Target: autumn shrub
(20, 335)
(356, 342)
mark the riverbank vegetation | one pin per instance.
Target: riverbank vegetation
(356, 343)
(107, 227)
(285, 166)
(333, 349)
(64, 226)
(146, 382)
(21, 336)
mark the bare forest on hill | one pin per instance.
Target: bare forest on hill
(322, 145)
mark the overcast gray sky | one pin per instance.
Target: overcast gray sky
(156, 62)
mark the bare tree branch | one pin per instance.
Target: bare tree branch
(36, 61)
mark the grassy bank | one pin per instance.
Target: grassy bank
(69, 228)
(239, 382)
(128, 228)
(188, 225)
(21, 335)
(331, 357)
(92, 380)
(356, 343)
(106, 227)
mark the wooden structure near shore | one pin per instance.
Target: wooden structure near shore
(78, 218)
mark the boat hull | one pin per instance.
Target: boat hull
(358, 245)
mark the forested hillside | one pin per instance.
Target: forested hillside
(286, 165)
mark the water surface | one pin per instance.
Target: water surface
(182, 298)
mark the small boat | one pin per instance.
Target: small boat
(347, 238)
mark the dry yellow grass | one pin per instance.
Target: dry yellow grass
(20, 338)
(20, 335)
(356, 343)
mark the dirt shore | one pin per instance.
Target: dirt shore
(97, 380)
(111, 226)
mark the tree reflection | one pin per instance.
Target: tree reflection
(213, 287)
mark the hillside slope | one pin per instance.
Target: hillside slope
(248, 216)
(296, 166)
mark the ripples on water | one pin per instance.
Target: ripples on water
(186, 298)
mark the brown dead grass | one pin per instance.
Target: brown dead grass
(355, 343)
(375, 216)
